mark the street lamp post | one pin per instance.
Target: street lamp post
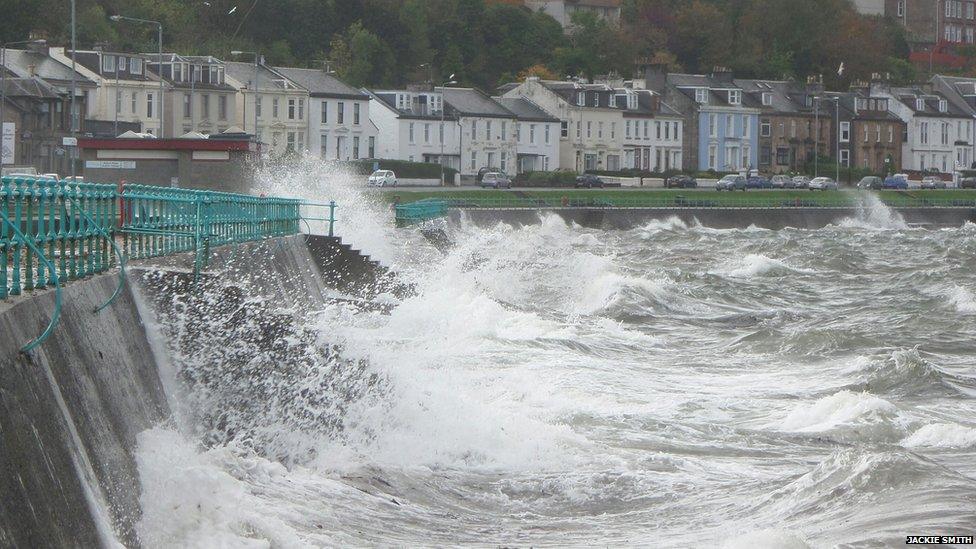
(3, 82)
(159, 27)
(450, 82)
(836, 130)
(257, 95)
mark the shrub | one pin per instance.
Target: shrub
(403, 168)
(546, 179)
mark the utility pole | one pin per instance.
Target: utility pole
(162, 82)
(450, 82)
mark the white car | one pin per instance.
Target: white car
(823, 184)
(382, 178)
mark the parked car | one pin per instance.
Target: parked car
(801, 182)
(932, 182)
(823, 184)
(731, 183)
(895, 182)
(870, 182)
(588, 181)
(967, 183)
(681, 182)
(780, 181)
(382, 178)
(758, 182)
(496, 180)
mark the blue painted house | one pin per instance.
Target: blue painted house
(722, 133)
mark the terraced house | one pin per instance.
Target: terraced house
(795, 125)
(938, 133)
(591, 124)
(197, 98)
(278, 105)
(653, 131)
(720, 131)
(869, 135)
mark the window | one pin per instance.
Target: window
(767, 99)
(108, 63)
(845, 132)
(579, 130)
(920, 104)
(901, 8)
(504, 161)
(290, 147)
(667, 130)
(943, 105)
(355, 148)
(441, 132)
(865, 133)
(945, 133)
(372, 147)
(259, 106)
(589, 129)
(712, 126)
(596, 99)
(782, 156)
(341, 112)
(134, 101)
(599, 129)
(613, 131)
(205, 106)
(488, 130)
(701, 95)
(729, 125)
(627, 129)
(793, 129)
(545, 163)
(765, 155)
(149, 105)
(222, 107)
(118, 100)
(301, 108)
(187, 105)
(657, 129)
(291, 109)
(546, 126)
(474, 160)
(355, 113)
(324, 147)
(532, 134)
(735, 97)
(274, 107)
(491, 160)
(765, 128)
(410, 134)
(745, 126)
(891, 134)
(426, 133)
(177, 72)
(647, 129)
(711, 157)
(923, 133)
(613, 100)
(580, 98)
(845, 157)
(325, 112)
(474, 130)
(301, 142)
(564, 129)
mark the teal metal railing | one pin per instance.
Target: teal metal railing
(52, 232)
(421, 210)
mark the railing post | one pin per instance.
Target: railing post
(332, 208)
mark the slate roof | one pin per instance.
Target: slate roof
(472, 102)
(19, 63)
(320, 83)
(525, 109)
(909, 96)
(244, 73)
(30, 87)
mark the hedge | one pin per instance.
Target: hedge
(546, 179)
(402, 168)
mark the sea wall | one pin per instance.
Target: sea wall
(71, 409)
(719, 218)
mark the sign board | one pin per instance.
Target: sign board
(110, 164)
(69, 141)
(8, 143)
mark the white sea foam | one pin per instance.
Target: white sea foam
(756, 265)
(941, 435)
(847, 414)
(772, 538)
(873, 214)
(963, 299)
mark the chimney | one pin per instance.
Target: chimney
(722, 74)
(532, 79)
(656, 77)
(31, 70)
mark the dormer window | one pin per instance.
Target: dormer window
(178, 72)
(581, 98)
(613, 100)
(943, 105)
(108, 63)
(701, 95)
(122, 63)
(767, 99)
(920, 104)
(631, 100)
(735, 97)
(135, 65)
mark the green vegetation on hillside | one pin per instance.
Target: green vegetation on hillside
(486, 42)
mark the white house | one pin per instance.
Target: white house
(591, 124)
(488, 132)
(537, 135)
(414, 126)
(125, 87)
(339, 125)
(652, 131)
(938, 134)
(280, 105)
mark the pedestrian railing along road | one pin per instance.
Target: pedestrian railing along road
(52, 232)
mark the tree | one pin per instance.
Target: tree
(370, 61)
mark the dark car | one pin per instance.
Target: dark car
(731, 183)
(758, 182)
(496, 180)
(967, 183)
(681, 182)
(870, 182)
(892, 182)
(588, 181)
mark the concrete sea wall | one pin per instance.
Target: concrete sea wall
(719, 218)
